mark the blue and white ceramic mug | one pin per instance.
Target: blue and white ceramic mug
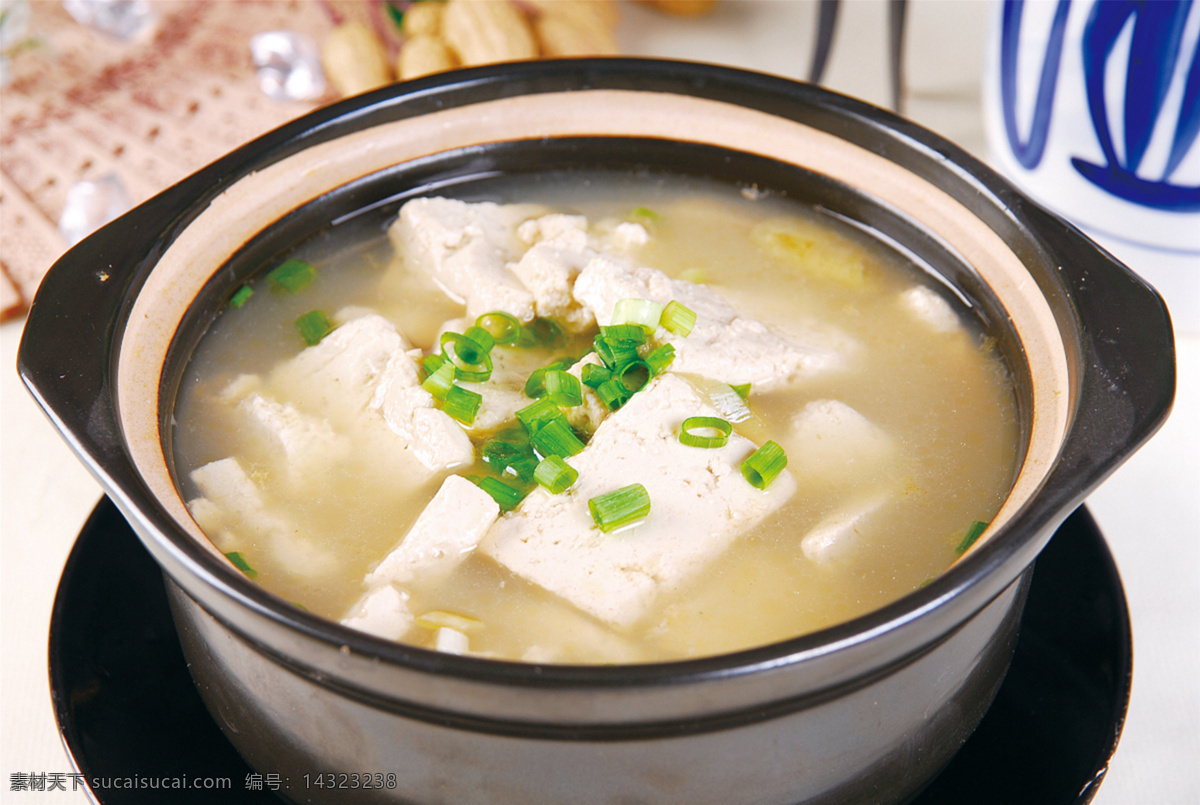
(1093, 108)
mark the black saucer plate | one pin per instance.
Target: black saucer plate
(131, 718)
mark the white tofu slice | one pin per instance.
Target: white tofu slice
(234, 507)
(466, 249)
(834, 442)
(930, 309)
(383, 611)
(305, 443)
(558, 251)
(451, 641)
(434, 437)
(363, 375)
(723, 345)
(700, 504)
(444, 534)
(337, 377)
(836, 535)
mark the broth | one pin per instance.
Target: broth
(896, 445)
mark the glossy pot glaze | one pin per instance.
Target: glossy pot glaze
(867, 710)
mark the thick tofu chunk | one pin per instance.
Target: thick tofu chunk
(444, 534)
(466, 249)
(930, 309)
(558, 251)
(364, 375)
(834, 442)
(434, 437)
(305, 443)
(232, 512)
(836, 535)
(383, 612)
(337, 377)
(723, 345)
(700, 504)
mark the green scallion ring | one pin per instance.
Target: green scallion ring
(643, 312)
(240, 296)
(973, 533)
(692, 432)
(563, 388)
(678, 319)
(241, 564)
(507, 497)
(470, 365)
(555, 438)
(503, 328)
(314, 326)
(462, 404)
(621, 507)
(292, 276)
(440, 380)
(556, 475)
(761, 468)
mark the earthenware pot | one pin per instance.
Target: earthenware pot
(865, 711)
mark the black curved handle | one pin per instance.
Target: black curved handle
(1127, 359)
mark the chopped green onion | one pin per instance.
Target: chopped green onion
(621, 507)
(440, 381)
(514, 435)
(240, 296)
(761, 468)
(555, 474)
(506, 496)
(555, 438)
(510, 458)
(563, 388)
(535, 416)
(742, 389)
(693, 431)
(470, 365)
(481, 337)
(635, 333)
(660, 358)
(292, 276)
(642, 312)
(535, 385)
(431, 363)
(633, 376)
(616, 352)
(462, 404)
(973, 531)
(613, 393)
(593, 374)
(241, 564)
(503, 328)
(678, 319)
(313, 326)
(644, 212)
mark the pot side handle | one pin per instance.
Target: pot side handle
(1126, 362)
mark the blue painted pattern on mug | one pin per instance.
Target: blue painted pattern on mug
(1155, 48)
(1029, 152)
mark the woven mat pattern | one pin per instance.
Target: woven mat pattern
(83, 105)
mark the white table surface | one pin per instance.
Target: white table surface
(1149, 510)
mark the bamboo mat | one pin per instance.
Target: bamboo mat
(83, 105)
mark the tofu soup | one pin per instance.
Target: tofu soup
(593, 419)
